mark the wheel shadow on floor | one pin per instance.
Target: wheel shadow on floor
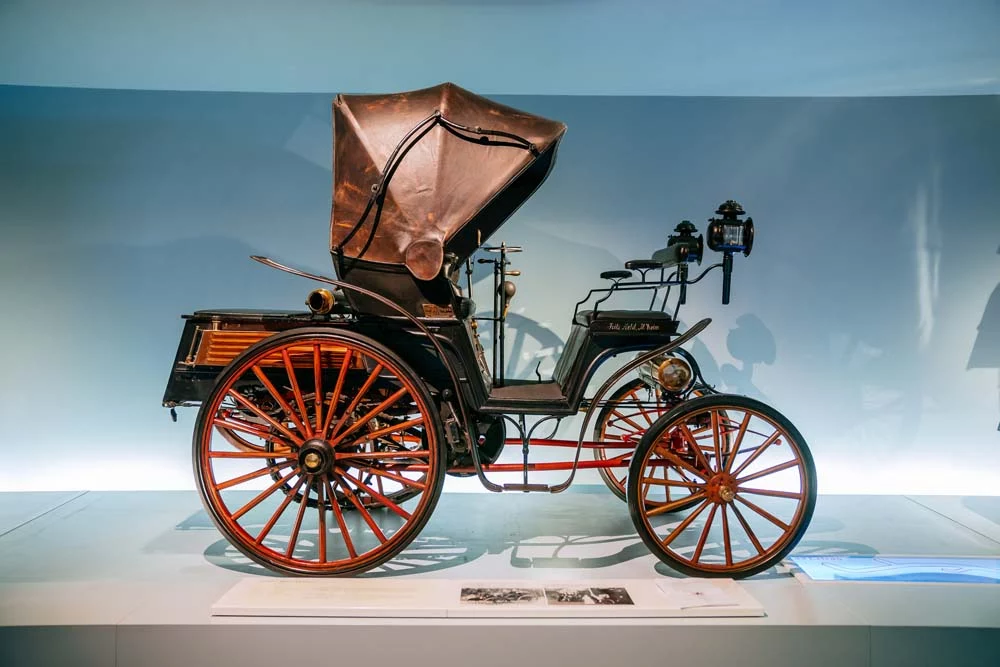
(572, 531)
(423, 555)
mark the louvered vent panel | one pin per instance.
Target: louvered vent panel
(219, 347)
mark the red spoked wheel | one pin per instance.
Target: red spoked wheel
(630, 411)
(339, 459)
(746, 508)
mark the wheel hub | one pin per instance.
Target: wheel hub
(721, 488)
(316, 457)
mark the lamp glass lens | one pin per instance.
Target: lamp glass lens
(732, 235)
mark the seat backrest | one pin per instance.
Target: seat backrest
(571, 352)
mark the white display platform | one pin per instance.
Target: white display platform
(520, 598)
(129, 579)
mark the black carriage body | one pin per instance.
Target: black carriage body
(212, 339)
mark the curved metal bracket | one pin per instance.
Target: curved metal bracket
(613, 380)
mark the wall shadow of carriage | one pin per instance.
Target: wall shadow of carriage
(324, 436)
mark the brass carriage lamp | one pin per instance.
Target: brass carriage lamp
(683, 248)
(729, 235)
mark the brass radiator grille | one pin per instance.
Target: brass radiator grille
(219, 347)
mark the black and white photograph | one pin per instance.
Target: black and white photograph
(503, 595)
(574, 596)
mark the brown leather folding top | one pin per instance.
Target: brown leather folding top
(450, 184)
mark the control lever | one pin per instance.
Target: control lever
(503, 292)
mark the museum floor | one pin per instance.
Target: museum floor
(128, 578)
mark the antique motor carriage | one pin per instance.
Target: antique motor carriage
(324, 436)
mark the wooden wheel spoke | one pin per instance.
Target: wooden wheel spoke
(644, 493)
(236, 481)
(357, 399)
(716, 438)
(642, 410)
(378, 472)
(294, 382)
(700, 431)
(276, 395)
(757, 452)
(250, 428)
(321, 507)
(704, 534)
(679, 462)
(764, 513)
(378, 409)
(303, 504)
(339, 516)
(683, 524)
(768, 471)
(378, 456)
(387, 430)
(263, 415)
(374, 494)
(671, 482)
(281, 510)
(676, 504)
(725, 535)
(263, 494)
(734, 447)
(666, 474)
(747, 529)
(693, 444)
(626, 432)
(771, 492)
(638, 428)
(365, 514)
(275, 454)
(318, 387)
(335, 399)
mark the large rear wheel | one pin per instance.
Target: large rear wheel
(751, 504)
(339, 461)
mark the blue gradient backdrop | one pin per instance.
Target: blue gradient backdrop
(869, 311)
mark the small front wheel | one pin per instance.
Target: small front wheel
(752, 483)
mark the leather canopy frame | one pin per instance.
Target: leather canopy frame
(426, 173)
